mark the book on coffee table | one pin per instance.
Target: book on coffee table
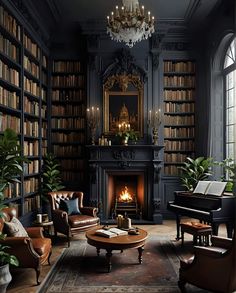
(112, 232)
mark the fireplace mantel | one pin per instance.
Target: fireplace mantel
(131, 159)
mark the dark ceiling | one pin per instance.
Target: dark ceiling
(191, 13)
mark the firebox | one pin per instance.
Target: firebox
(126, 194)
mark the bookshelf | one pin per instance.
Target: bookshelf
(23, 106)
(179, 113)
(68, 108)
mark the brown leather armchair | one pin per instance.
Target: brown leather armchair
(212, 268)
(70, 225)
(32, 251)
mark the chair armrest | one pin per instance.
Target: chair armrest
(90, 211)
(209, 251)
(60, 218)
(35, 232)
(221, 242)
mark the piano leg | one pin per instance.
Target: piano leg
(178, 227)
(215, 228)
(229, 227)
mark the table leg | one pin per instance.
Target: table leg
(140, 251)
(98, 251)
(109, 255)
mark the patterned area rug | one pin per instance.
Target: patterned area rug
(79, 269)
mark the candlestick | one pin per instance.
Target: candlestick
(154, 121)
(93, 119)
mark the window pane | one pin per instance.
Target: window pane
(230, 115)
(230, 98)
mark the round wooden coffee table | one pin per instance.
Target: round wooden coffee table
(117, 243)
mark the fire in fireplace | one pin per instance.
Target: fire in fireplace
(125, 196)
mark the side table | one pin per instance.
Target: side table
(47, 227)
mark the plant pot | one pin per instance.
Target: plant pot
(5, 277)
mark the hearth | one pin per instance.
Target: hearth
(134, 169)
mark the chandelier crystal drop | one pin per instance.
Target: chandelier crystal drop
(130, 23)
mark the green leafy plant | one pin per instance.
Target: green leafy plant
(51, 174)
(228, 172)
(128, 135)
(11, 162)
(195, 170)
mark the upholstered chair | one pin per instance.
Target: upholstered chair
(72, 221)
(212, 268)
(31, 248)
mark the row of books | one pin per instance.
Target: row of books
(68, 109)
(179, 107)
(188, 81)
(179, 119)
(44, 148)
(72, 176)
(44, 95)
(70, 80)
(8, 121)
(66, 66)
(66, 150)
(31, 87)
(72, 164)
(68, 123)
(9, 23)
(31, 47)
(175, 157)
(44, 129)
(179, 145)
(9, 49)
(31, 128)
(68, 95)
(179, 95)
(9, 98)
(179, 132)
(31, 67)
(9, 74)
(31, 185)
(32, 167)
(45, 61)
(32, 203)
(31, 148)
(172, 170)
(179, 66)
(31, 107)
(12, 190)
(68, 137)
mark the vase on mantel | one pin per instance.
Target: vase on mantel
(125, 140)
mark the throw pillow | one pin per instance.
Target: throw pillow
(14, 228)
(70, 206)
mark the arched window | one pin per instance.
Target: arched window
(230, 100)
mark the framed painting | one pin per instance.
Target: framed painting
(123, 107)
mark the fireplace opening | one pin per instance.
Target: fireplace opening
(126, 195)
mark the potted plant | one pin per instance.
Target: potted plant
(11, 166)
(195, 170)
(127, 135)
(229, 173)
(51, 177)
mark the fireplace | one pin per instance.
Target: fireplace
(125, 194)
(132, 169)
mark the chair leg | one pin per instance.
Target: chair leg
(37, 275)
(181, 285)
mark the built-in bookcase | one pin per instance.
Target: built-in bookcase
(68, 108)
(23, 106)
(179, 114)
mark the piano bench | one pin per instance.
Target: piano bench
(198, 230)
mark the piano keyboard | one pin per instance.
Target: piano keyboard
(189, 209)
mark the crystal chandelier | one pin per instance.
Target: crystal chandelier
(130, 24)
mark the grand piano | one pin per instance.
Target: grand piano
(215, 210)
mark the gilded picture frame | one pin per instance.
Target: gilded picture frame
(123, 102)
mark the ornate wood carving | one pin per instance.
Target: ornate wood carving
(123, 81)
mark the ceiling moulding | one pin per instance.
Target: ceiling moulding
(31, 17)
(55, 11)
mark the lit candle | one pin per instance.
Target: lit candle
(142, 10)
(119, 127)
(108, 19)
(149, 15)
(150, 117)
(112, 16)
(117, 11)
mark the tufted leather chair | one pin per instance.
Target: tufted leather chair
(70, 225)
(32, 251)
(212, 268)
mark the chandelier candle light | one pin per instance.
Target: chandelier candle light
(130, 24)
(154, 121)
(93, 119)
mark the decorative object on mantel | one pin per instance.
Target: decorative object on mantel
(130, 24)
(93, 120)
(154, 121)
(126, 134)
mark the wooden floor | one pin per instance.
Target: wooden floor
(23, 280)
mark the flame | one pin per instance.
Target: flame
(125, 195)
